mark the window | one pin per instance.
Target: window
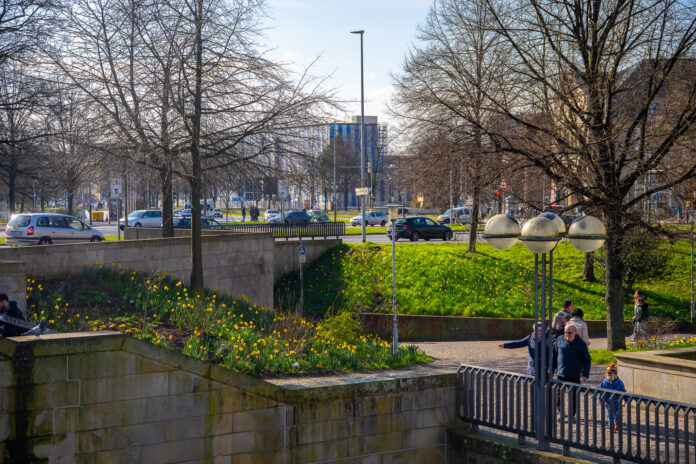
(59, 221)
(73, 223)
(42, 222)
(20, 221)
(429, 222)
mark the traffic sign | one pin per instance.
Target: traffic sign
(302, 249)
(362, 191)
(503, 185)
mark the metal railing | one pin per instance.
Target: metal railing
(287, 231)
(620, 425)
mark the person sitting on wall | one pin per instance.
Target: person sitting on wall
(9, 308)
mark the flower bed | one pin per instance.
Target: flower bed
(221, 328)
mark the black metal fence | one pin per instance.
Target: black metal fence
(621, 425)
(287, 231)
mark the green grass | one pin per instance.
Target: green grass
(443, 279)
(215, 327)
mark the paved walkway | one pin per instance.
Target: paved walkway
(448, 356)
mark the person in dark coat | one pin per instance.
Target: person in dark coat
(571, 359)
(9, 308)
(530, 342)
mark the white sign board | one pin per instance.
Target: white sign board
(362, 191)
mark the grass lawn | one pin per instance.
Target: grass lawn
(443, 279)
(607, 357)
(219, 328)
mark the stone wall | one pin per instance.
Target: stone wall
(286, 257)
(13, 282)
(451, 328)
(105, 397)
(666, 374)
(238, 263)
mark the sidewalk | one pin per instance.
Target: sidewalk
(448, 357)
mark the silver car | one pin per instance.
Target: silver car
(47, 228)
(374, 218)
(143, 218)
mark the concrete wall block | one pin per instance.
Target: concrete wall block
(6, 429)
(378, 404)
(435, 398)
(67, 420)
(259, 419)
(7, 377)
(323, 411)
(101, 364)
(183, 382)
(49, 369)
(113, 414)
(315, 432)
(323, 451)
(105, 389)
(91, 441)
(38, 397)
(420, 438)
(233, 400)
(435, 417)
(177, 406)
(194, 450)
(187, 428)
(242, 442)
(268, 457)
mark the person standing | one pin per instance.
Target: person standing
(9, 308)
(571, 359)
(576, 319)
(641, 314)
(560, 319)
(530, 342)
(243, 213)
(612, 404)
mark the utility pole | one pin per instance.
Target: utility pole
(334, 169)
(362, 133)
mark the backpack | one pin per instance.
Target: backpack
(644, 312)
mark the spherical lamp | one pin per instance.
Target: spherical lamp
(560, 225)
(539, 235)
(502, 231)
(587, 234)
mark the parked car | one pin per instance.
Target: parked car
(185, 223)
(415, 227)
(142, 218)
(374, 218)
(186, 212)
(316, 215)
(461, 215)
(47, 228)
(217, 213)
(269, 213)
(290, 217)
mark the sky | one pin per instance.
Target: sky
(300, 31)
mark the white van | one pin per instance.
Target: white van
(461, 215)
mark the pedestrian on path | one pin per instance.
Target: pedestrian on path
(576, 319)
(641, 314)
(9, 308)
(561, 318)
(243, 213)
(612, 403)
(571, 360)
(530, 342)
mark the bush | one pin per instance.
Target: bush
(345, 326)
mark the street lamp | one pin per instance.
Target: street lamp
(362, 132)
(393, 215)
(540, 235)
(333, 129)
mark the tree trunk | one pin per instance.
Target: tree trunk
(588, 268)
(71, 200)
(614, 278)
(195, 179)
(474, 219)
(167, 201)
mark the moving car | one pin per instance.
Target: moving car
(47, 228)
(290, 217)
(185, 223)
(316, 215)
(269, 213)
(461, 215)
(142, 218)
(374, 218)
(415, 227)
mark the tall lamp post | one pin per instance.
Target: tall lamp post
(393, 215)
(333, 129)
(362, 132)
(540, 235)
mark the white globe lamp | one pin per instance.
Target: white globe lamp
(587, 234)
(501, 231)
(540, 235)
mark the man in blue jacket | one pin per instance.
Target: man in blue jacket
(571, 359)
(530, 341)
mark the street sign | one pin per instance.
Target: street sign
(362, 191)
(503, 185)
(302, 249)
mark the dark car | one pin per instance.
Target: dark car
(415, 227)
(185, 222)
(316, 215)
(295, 217)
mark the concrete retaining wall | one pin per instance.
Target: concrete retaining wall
(13, 282)
(666, 374)
(239, 263)
(105, 397)
(453, 328)
(286, 257)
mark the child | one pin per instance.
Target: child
(612, 404)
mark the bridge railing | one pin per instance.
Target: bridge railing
(287, 231)
(620, 425)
